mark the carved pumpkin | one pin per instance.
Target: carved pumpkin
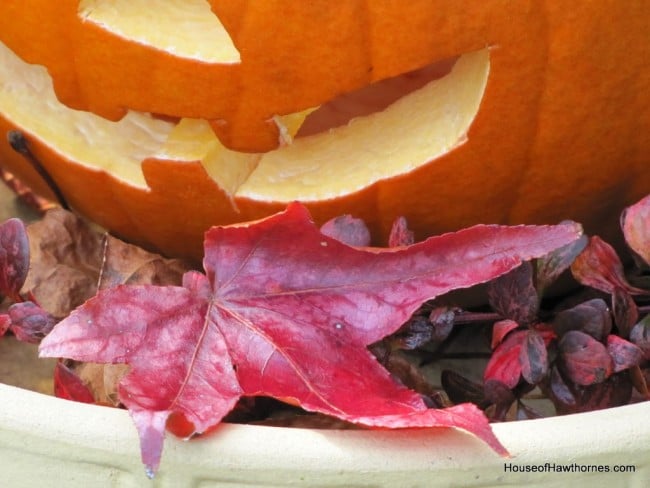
(501, 111)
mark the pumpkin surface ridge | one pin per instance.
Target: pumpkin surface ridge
(561, 129)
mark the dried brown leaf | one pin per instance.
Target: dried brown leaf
(126, 264)
(71, 262)
(65, 262)
(102, 380)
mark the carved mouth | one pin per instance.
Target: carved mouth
(381, 131)
(426, 116)
(418, 125)
(371, 99)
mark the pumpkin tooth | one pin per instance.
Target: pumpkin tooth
(283, 133)
(193, 140)
(289, 125)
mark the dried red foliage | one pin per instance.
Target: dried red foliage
(196, 347)
(14, 258)
(274, 291)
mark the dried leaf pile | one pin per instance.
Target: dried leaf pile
(316, 319)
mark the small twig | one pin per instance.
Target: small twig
(465, 355)
(19, 144)
(476, 317)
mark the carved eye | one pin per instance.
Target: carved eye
(184, 28)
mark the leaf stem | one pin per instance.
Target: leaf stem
(19, 144)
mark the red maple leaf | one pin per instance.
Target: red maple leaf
(287, 312)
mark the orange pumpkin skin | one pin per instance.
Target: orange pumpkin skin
(562, 130)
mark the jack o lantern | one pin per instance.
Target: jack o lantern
(158, 119)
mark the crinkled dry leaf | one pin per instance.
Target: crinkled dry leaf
(572, 398)
(126, 264)
(533, 357)
(420, 330)
(504, 365)
(635, 222)
(500, 396)
(640, 335)
(640, 382)
(500, 330)
(460, 389)
(400, 235)
(550, 267)
(585, 361)
(29, 322)
(592, 317)
(69, 386)
(624, 353)
(102, 380)
(442, 319)
(65, 264)
(599, 266)
(408, 374)
(5, 323)
(71, 262)
(348, 230)
(625, 311)
(14, 258)
(514, 296)
(415, 333)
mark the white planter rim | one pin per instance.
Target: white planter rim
(46, 436)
